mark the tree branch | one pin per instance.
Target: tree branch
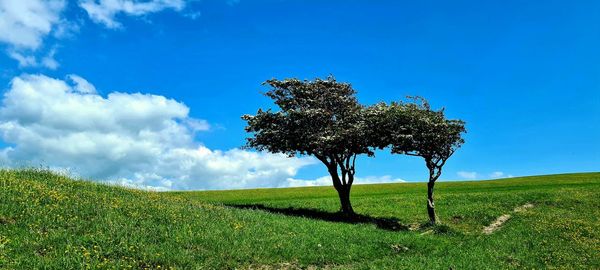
(348, 163)
(340, 163)
(323, 159)
(350, 179)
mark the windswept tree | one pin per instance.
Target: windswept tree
(415, 129)
(321, 118)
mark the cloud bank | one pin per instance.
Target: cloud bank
(133, 139)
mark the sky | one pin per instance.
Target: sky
(150, 93)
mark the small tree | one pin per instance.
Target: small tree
(321, 118)
(417, 130)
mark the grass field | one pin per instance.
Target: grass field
(49, 221)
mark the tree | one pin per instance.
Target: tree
(417, 130)
(321, 118)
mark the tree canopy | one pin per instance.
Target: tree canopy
(415, 129)
(324, 119)
(321, 118)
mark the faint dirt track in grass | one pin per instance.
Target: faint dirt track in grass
(497, 224)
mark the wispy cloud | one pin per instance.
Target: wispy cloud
(25, 25)
(475, 175)
(499, 174)
(81, 85)
(467, 175)
(496, 174)
(29, 60)
(326, 181)
(49, 61)
(105, 12)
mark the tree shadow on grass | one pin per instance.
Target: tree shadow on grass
(389, 224)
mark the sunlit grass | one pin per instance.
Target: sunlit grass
(53, 222)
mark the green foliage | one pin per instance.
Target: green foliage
(419, 130)
(49, 221)
(323, 118)
(320, 118)
(413, 128)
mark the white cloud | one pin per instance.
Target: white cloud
(499, 174)
(81, 84)
(467, 175)
(24, 23)
(496, 174)
(326, 181)
(135, 139)
(105, 11)
(47, 61)
(24, 60)
(66, 28)
(475, 175)
(197, 124)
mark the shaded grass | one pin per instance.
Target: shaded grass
(390, 224)
(50, 221)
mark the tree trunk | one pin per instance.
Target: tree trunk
(430, 203)
(343, 189)
(344, 194)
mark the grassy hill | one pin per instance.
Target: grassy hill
(53, 222)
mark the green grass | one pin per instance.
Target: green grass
(49, 221)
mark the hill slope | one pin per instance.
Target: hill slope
(51, 221)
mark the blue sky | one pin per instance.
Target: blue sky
(524, 75)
